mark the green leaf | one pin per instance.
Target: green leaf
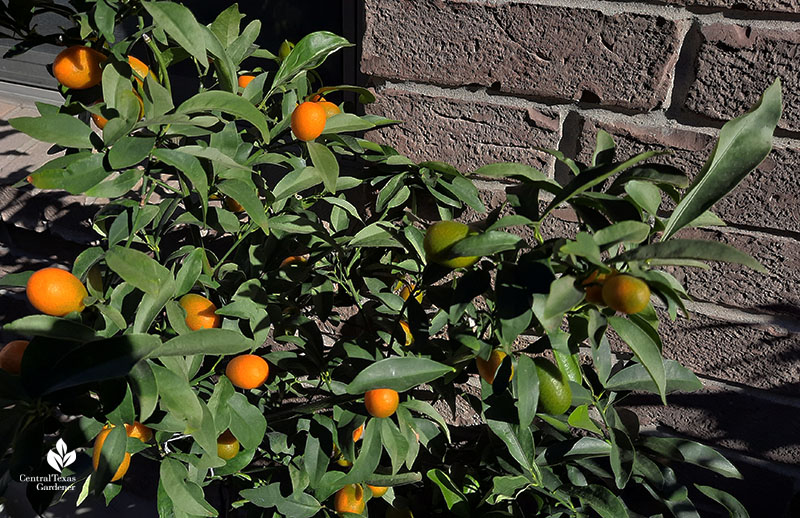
(562, 297)
(76, 178)
(181, 25)
(579, 418)
(591, 177)
(16, 280)
(342, 122)
(375, 235)
(52, 327)
(325, 163)
(622, 232)
(369, 457)
(178, 397)
(308, 53)
(623, 456)
(743, 143)
(246, 194)
(423, 407)
(398, 374)
(636, 377)
(394, 443)
(143, 384)
(247, 424)
(604, 150)
(516, 448)
(138, 269)
(734, 507)
(188, 165)
(117, 186)
(527, 390)
(690, 249)
(226, 25)
(660, 174)
(646, 195)
(226, 102)
(452, 495)
(583, 246)
(512, 170)
(646, 350)
(57, 128)
(111, 456)
(186, 496)
(693, 453)
(205, 341)
(601, 500)
(129, 151)
(190, 271)
(487, 243)
(97, 361)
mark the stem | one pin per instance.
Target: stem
(249, 230)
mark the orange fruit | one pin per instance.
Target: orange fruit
(200, 312)
(378, 491)
(233, 205)
(555, 396)
(227, 445)
(98, 446)
(139, 431)
(294, 259)
(350, 499)
(381, 402)
(247, 371)
(407, 332)
(593, 286)
(11, 356)
(56, 292)
(330, 108)
(626, 293)
(245, 80)
(101, 121)
(358, 432)
(308, 121)
(440, 237)
(78, 67)
(488, 368)
(140, 69)
(407, 289)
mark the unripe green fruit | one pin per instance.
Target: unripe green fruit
(440, 237)
(555, 396)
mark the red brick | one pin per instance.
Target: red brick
(767, 197)
(735, 285)
(736, 63)
(464, 133)
(777, 6)
(548, 52)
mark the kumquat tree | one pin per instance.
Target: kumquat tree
(282, 312)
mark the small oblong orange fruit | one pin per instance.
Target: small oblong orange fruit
(200, 312)
(350, 499)
(358, 432)
(308, 121)
(593, 286)
(55, 292)
(294, 259)
(381, 402)
(140, 69)
(330, 108)
(98, 446)
(11, 356)
(245, 80)
(378, 491)
(139, 431)
(407, 332)
(409, 288)
(247, 371)
(488, 368)
(227, 445)
(78, 67)
(626, 293)
(233, 205)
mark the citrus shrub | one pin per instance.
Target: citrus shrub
(260, 349)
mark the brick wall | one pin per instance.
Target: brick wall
(484, 81)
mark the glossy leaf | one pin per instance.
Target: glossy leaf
(743, 143)
(398, 374)
(57, 128)
(690, 249)
(204, 341)
(646, 350)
